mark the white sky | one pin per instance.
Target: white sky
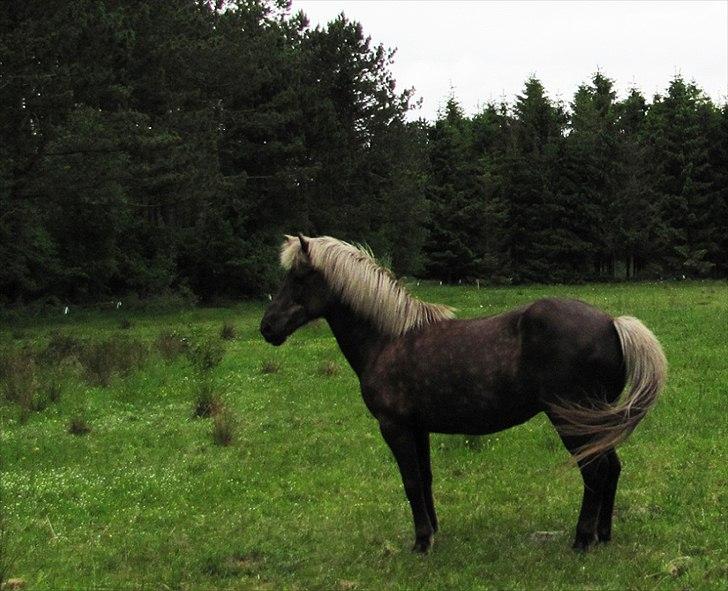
(485, 50)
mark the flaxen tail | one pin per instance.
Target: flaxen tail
(610, 424)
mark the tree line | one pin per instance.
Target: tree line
(153, 147)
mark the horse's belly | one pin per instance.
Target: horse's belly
(473, 416)
(475, 407)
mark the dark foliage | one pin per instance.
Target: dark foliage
(150, 149)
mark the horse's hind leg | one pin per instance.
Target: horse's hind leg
(604, 527)
(594, 472)
(423, 456)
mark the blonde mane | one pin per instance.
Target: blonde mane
(370, 289)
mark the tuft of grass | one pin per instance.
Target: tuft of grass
(116, 355)
(77, 425)
(170, 345)
(53, 390)
(207, 402)
(223, 427)
(270, 366)
(206, 355)
(233, 566)
(61, 347)
(228, 331)
(328, 368)
(19, 380)
(125, 324)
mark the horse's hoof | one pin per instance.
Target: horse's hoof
(604, 536)
(422, 545)
(582, 542)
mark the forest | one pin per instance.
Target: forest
(152, 148)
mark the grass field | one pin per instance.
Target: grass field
(306, 495)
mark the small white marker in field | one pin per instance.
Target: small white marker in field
(270, 298)
(477, 282)
(440, 282)
(118, 305)
(65, 310)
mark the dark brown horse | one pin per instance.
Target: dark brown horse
(423, 372)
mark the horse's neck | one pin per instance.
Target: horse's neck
(358, 340)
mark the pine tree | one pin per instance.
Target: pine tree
(677, 128)
(534, 212)
(455, 245)
(588, 181)
(635, 216)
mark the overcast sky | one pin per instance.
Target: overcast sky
(485, 50)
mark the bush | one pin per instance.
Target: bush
(171, 345)
(223, 427)
(228, 332)
(101, 360)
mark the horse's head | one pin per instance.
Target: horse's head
(303, 296)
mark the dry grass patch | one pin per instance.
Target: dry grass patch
(228, 331)
(117, 355)
(171, 345)
(207, 402)
(19, 380)
(223, 427)
(77, 425)
(329, 368)
(269, 366)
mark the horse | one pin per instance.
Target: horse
(423, 371)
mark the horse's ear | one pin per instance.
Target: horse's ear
(304, 243)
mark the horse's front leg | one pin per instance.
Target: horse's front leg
(423, 458)
(403, 443)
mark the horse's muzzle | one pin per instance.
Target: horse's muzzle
(270, 335)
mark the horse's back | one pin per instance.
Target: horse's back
(485, 374)
(570, 350)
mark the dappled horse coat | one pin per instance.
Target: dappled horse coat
(422, 371)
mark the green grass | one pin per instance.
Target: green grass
(306, 496)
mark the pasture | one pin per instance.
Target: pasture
(296, 488)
